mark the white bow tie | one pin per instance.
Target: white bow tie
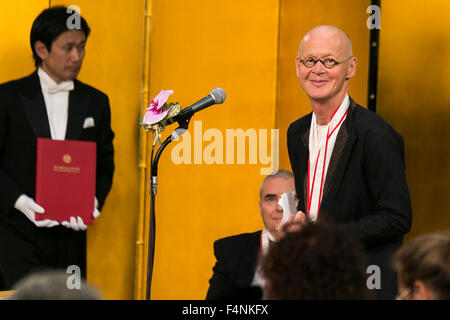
(63, 86)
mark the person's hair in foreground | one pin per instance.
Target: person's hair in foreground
(318, 261)
(423, 264)
(52, 285)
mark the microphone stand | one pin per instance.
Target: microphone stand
(183, 126)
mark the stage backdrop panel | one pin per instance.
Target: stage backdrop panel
(195, 47)
(16, 18)
(414, 97)
(113, 64)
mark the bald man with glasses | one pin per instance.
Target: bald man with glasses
(348, 163)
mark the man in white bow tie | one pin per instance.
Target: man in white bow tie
(50, 103)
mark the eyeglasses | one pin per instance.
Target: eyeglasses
(402, 295)
(328, 63)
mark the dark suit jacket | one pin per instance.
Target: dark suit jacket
(236, 257)
(365, 190)
(23, 118)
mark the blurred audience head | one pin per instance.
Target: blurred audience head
(423, 267)
(318, 261)
(53, 285)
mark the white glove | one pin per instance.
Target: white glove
(29, 208)
(77, 224)
(96, 213)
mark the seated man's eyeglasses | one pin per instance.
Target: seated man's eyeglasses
(328, 63)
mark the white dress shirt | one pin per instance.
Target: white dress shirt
(266, 238)
(56, 97)
(319, 145)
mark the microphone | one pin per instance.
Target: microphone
(216, 96)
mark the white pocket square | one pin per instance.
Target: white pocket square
(88, 123)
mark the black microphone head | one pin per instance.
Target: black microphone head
(219, 95)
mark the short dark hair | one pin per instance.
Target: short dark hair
(319, 261)
(49, 25)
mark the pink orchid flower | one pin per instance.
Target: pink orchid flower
(155, 113)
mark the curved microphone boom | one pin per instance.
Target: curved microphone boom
(216, 96)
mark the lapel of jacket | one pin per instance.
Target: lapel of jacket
(249, 262)
(338, 161)
(301, 153)
(305, 142)
(78, 105)
(32, 100)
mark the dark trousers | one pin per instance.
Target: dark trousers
(382, 256)
(47, 248)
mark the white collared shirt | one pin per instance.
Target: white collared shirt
(56, 103)
(318, 146)
(266, 237)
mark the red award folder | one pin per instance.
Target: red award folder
(65, 179)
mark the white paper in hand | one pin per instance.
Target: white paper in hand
(287, 203)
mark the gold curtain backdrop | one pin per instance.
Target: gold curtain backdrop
(248, 48)
(414, 97)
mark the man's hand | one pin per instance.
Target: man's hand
(294, 223)
(300, 217)
(29, 208)
(77, 224)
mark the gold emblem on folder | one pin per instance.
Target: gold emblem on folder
(67, 158)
